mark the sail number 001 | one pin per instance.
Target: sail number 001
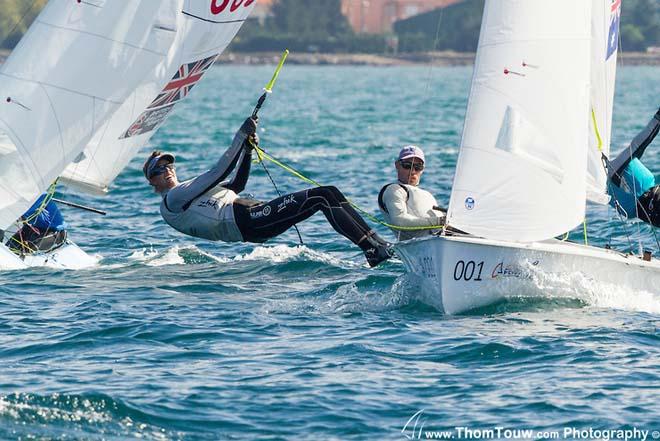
(469, 270)
(218, 6)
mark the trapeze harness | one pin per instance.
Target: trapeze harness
(210, 208)
(633, 186)
(406, 205)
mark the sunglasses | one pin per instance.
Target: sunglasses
(407, 165)
(160, 170)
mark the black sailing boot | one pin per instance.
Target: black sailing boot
(375, 249)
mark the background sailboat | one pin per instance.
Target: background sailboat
(537, 124)
(202, 31)
(88, 86)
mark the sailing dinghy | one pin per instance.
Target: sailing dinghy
(537, 125)
(87, 87)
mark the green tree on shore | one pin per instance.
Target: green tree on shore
(15, 17)
(306, 26)
(640, 26)
(318, 25)
(299, 18)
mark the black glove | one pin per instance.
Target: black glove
(253, 140)
(249, 127)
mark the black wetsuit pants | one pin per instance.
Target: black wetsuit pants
(648, 206)
(260, 221)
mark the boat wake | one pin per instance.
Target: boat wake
(285, 253)
(190, 255)
(174, 256)
(351, 298)
(596, 293)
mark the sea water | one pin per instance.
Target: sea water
(171, 337)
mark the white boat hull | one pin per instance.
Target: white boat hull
(68, 256)
(459, 273)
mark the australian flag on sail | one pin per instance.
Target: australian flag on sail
(178, 88)
(613, 35)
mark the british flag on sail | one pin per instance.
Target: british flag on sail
(613, 35)
(178, 88)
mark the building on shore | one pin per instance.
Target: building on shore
(370, 16)
(378, 16)
(261, 10)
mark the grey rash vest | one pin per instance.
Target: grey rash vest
(202, 207)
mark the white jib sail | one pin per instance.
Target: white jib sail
(606, 18)
(521, 171)
(204, 28)
(75, 66)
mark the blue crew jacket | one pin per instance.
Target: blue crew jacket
(50, 216)
(638, 180)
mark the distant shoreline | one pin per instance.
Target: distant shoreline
(316, 59)
(446, 58)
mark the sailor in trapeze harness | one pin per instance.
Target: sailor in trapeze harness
(42, 228)
(209, 207)
(632, 186)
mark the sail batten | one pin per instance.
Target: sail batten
(521, 172)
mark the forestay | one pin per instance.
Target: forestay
(75, 67)
(202, 29)
(521, 172)
(605, 23)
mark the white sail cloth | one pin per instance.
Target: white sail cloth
(75, 67)
(521, 172)
(605, 20)
(203, 31)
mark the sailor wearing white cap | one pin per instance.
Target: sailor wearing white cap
(403, 203)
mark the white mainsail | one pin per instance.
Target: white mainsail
(606, 16)
(203, 31)
(75, 67)
(521, 171)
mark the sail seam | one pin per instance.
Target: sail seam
(101, 37)
(60, 88)
(212, 21)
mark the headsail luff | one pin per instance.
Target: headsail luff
(605, 21)
(75, 67)
(521, 172)
(203, 31)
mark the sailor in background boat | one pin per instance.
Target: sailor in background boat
(632, 186)
(404, 204)
(43, 228)
(208, 206)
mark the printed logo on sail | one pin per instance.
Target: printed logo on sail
(178, 88)
(219, 6)
(469, 203)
